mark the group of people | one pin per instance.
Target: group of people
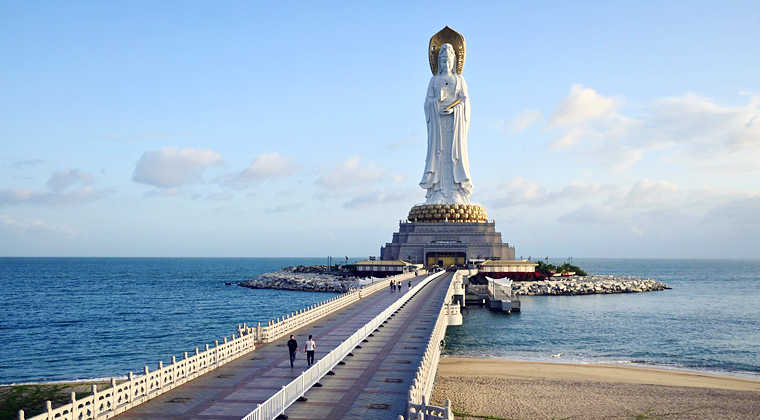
(396, 285)
(309, 348)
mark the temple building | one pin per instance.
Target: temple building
(446, 243)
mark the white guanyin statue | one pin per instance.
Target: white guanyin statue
(447, 111)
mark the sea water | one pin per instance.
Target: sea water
(709, 320)
(86, 318)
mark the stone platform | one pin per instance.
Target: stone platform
(446, 243)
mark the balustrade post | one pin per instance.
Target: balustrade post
(73, 402)
(130, 378)
(20, 414)
(160, 374)
(258, 333)
(147, 381)
(48, 409)
(113, 394)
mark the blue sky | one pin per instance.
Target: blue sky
(599, 129)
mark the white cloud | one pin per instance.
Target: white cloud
(519, 191)
(581, 105)
(350, 173)
(706, 129)
(60, 180)
(591, 213)
(413, 139)
(165, 192)
(28, 225)
(741, 212)
(649, 192)
(268, 166)
(222, 196)
(689, 128)
(171, 167)
(21, 164)
(286, 208)
(380, 197)
(570, 138)
(524, 120)
(65, 187)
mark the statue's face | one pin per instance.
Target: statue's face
(447, 57)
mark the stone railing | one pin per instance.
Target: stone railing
(422, 385)
(138, 389)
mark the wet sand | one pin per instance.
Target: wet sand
(533, 390)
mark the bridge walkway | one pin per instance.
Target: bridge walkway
(233, 390)
(374, 382)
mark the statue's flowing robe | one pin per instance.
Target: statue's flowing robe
(447, 168)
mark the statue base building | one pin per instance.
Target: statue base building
(434, 235)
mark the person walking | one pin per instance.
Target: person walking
(293, 349)
(410, 284)
(309, 348)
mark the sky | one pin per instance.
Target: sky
(274, 129)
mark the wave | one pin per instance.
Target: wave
(69, 381)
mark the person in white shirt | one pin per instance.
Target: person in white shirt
(309, 347)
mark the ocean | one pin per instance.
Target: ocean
(709, 321)
(67, 319)
(91, 318)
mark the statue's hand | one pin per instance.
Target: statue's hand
(445, 111)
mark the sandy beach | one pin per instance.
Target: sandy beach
(533, 390)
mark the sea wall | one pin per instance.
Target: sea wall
(306, 278)
(587, 285)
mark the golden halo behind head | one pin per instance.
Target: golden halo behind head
(446, 36)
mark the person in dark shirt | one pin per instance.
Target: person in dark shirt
(293, 349)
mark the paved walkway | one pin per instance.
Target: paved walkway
(233, 390)
(373, 384)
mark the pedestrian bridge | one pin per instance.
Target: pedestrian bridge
(376, 358)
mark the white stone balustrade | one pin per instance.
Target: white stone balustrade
(422, 385)
(137, 389)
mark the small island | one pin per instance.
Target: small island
(547, 279)
(312, 278)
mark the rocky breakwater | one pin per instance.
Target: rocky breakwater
(304, 278)
(587, 285)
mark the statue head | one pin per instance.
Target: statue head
(446, 58)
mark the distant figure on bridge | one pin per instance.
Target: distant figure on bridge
(309, 349)
(293, 349)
